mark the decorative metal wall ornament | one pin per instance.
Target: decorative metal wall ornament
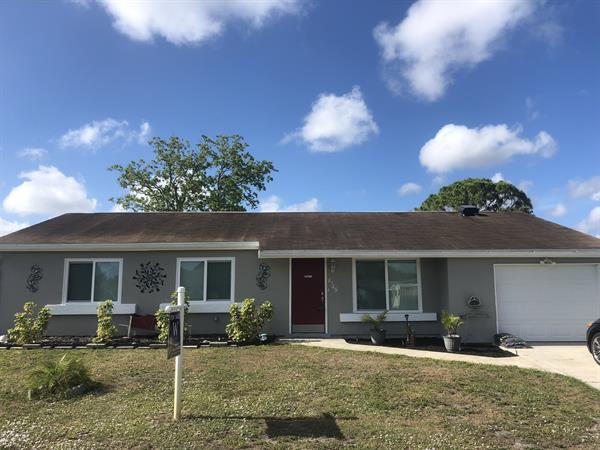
(150, 277)
(33, 280)
(330, 282)
(473, 302)
(264, 273)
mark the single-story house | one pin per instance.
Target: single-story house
(503, 272)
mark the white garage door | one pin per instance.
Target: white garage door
(547, 302)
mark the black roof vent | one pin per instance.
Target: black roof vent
(469, 210)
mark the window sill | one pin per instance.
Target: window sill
(391, 317)
(88, 308)
(205, 307)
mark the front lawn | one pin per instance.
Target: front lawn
(289, 396)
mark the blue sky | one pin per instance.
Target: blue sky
(369, 107)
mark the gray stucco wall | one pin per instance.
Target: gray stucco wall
(446, 285)
(475, 276)
(340, 292)
(15, 267)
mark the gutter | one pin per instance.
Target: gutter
(526, 253)
(274, 254)
(130, 247)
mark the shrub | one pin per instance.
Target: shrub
(59, 379)
(376, 321)
(29, 328)
(246, 322)
(451, 322)
(106, 330)
(162, 319)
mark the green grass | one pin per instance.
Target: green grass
(285, 396)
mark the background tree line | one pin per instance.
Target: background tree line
(220, 174)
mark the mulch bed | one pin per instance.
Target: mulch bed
(133, 342)
(433, 344)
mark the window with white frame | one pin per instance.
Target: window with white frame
(206, 279)
(387, 284)
(92, 280)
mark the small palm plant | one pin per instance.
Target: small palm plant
(377, 332)
(58, 379)
(376, 321)
(451, 323)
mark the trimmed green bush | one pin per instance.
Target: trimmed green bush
(162, 319)
(106, 330)
(29, 328)
(59, 379)
(246, 322)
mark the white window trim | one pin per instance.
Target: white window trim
(387, 294)
(89, 308)
(93, 261)
(206, 260)
(391, 317)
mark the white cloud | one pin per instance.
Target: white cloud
(438, 180)
(532, 111)
(99, 133)
(48, 191)
(436, 38)
(275, 204)
(7, 227)
(191, 22)
(336, 122)
(587, 188)
(409, 188)
(33, 153)
(144, 133)
(559, 210)
(497, 177)
(549, 32)
(459, 147)
(525, 185)
(117, 208)
(591, 224)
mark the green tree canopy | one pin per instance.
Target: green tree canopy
(215, 175)
(480, 192)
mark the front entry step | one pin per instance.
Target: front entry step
(317, 328)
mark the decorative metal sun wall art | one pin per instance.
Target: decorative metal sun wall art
(33, 280)
(264, 273)
(149, 277)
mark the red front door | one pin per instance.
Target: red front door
(308, 295)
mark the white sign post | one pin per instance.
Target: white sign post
(180, 307)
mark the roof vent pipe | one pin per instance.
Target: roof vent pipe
(469, 210)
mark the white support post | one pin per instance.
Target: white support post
(178, 359)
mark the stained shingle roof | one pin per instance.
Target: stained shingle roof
(312, 231)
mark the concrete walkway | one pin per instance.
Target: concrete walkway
(569, 359)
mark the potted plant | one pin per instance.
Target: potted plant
(451, 323)
(377, 333)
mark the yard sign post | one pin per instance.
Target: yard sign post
(174, 333)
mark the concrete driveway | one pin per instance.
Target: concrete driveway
(571, 359)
